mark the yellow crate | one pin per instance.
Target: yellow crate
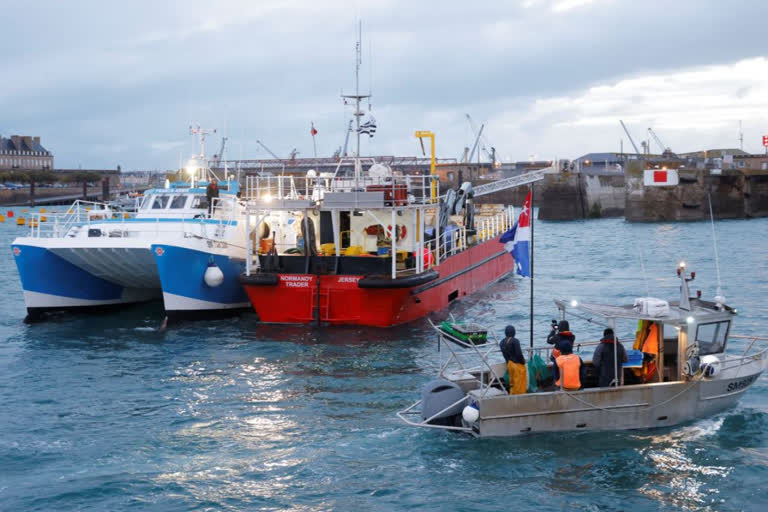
(353, 250)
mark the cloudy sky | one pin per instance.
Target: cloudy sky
(108, 83)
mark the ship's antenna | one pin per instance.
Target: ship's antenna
(719, 297)
(357, 96)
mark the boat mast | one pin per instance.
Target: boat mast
(357, 96)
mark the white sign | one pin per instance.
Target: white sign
(660, 178)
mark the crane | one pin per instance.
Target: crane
(267, 150)
(479, 139)
(474, 147)
(630, 137)
(346, 139)
(664, 149)
(216, 160)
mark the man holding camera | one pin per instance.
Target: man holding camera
(559, 336)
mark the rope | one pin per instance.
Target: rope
(218, 241)
(593, 406)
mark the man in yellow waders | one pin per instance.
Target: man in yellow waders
(513, 355)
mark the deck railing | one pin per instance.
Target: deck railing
(399, 190)
(87, 214)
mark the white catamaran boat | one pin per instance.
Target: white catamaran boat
(93, 256)
(687, 374)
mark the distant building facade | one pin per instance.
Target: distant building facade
(24, 152)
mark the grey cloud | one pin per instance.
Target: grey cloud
(102, 82)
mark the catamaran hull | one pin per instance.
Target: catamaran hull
(182, 276)
(628, 407)
(341, 299)
(52, 283)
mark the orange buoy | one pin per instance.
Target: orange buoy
(20, 221)
(2, 217)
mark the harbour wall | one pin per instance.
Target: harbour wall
(735, 194)
(568, 196)
(21, 196)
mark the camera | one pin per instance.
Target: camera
(554, 325)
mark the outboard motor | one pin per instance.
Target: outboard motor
(441, 394)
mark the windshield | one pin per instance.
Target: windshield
(178, 202)
(160, 202)
(711, 337)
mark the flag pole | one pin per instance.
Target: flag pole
(531, 219)
(314, 132)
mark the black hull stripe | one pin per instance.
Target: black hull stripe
(470, 268)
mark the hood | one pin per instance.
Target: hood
(509, 331)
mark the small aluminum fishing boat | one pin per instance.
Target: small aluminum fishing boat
(686, 375)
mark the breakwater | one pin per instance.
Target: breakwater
(735, 194)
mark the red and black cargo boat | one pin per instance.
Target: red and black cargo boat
(338, 260)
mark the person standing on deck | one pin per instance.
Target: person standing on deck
(608, 355)
(571, 369)
(560, 334)
(211, 191)
(513, 355)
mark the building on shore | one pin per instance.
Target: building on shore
(24, 152)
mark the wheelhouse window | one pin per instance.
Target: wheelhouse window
(711, 337)
(160, 202)
(178, 202)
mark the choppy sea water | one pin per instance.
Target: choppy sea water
(107, 412)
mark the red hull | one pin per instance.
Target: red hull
(341, 302)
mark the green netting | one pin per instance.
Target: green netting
(538, 371)
(465, 332)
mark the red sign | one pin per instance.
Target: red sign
(765, 140)
(659, 176)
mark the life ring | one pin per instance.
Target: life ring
(400, 231)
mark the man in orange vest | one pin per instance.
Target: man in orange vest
(571, 368)
(559, 335)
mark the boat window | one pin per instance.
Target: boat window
(178, 202)
(160, 202)
(711, 337)
(200, 202)
(146, 202)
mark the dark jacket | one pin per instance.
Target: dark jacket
(510, 348)
(556, 338)
(211, 191)
(603, 360)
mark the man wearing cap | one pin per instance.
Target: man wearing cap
(609, 355)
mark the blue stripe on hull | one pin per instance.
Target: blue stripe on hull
(44, 272)
(181, 272)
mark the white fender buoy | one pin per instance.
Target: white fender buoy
(470, 414)
(710, 365)
(213, 275)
